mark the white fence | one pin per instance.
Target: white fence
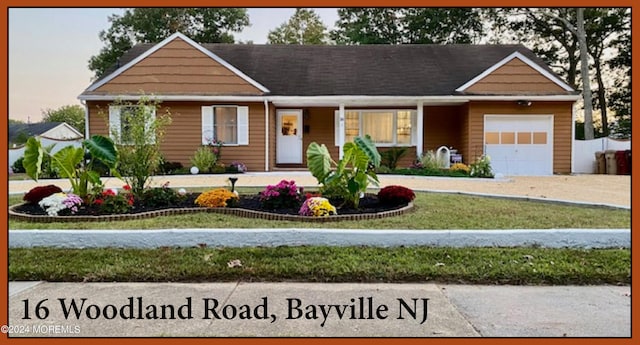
(17, 152)
(584, 160)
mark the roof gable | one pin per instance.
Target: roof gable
(155, 49)
(39, 129)
(502, 63)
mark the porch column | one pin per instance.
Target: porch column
(341, 129)
(420, 129)
(266, 135)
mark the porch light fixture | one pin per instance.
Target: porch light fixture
(524, 103)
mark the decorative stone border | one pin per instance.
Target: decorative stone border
(231, 211)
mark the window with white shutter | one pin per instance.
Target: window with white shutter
(226, 124)
(121, 119)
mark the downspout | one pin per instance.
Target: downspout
(86, 119)
(266, 135)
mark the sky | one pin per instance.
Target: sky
(49, 50)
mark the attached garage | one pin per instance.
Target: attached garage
(519, 144)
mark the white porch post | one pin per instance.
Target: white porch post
(341, 129)
(573, 138)
(266, 135)
(420, 129)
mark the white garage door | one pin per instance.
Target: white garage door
(519, 144)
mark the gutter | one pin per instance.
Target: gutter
(347, 99)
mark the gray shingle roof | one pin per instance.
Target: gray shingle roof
(30, 129)
(389, 70)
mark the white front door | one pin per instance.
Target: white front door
(519, 144)
(289, 137)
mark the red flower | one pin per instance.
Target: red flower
(98, 201)
(311, 195)
(126, 187)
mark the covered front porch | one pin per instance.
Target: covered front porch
(416, 125)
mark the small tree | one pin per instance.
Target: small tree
(73, 115)
(138, 140)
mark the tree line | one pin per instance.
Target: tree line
(573, 41)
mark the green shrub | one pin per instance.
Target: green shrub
(383, 169)
(162, 196)
(430, 160)
(204, 159)
(390, 157)
(17, 167)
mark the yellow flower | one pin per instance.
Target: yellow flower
(460, 167)
(215, 198)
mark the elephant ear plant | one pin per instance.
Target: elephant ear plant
(350, 176)
(74, 163)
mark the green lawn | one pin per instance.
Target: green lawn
(530, 266)
(432, 211)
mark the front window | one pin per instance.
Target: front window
(225, 124)
(124, 120)
(386, 127)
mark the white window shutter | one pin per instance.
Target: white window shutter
(207, 125)
(336, 127)
(114, 123)
(414, 128)
(243, 125)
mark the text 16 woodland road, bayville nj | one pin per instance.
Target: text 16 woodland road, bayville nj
(136, 308)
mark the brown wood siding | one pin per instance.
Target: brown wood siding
(562, 127)
(321, 130)
(179, 68)
(515, 77)
(183, 136)
(442, 126)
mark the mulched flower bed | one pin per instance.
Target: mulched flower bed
(368, 205)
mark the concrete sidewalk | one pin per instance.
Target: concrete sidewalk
(305, 310)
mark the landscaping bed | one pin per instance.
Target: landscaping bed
(246, 206)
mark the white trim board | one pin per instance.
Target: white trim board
(354, 100)
(164, 43)
(516, 55)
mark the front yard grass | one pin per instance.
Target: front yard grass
(432, 211)
(519, 266)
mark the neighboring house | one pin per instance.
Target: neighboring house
(59, 133)
(19, 132)
(268, 102)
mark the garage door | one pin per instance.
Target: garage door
(519, 145)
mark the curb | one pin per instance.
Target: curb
(546, 238)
